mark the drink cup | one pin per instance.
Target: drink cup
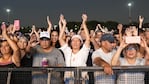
(44, 62)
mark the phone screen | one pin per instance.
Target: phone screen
(17, 25)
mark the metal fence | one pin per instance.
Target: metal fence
(134, 74)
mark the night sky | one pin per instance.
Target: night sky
(35, 11)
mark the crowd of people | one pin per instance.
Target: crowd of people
(60, 48)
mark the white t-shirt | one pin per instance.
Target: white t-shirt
(78, 59)
(100, 76)
(75, 60)
(105, 56)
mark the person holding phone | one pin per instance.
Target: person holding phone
(130, 52)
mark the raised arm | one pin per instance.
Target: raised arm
(94, 42)
(141, 19)
(143, 44)
(115, 58)
(120, 27)
(62, 25)
(49, 25)
(36, 33)
(16, 53)
(102, 29)
(84, 19)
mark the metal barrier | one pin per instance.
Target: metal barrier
(77, 71)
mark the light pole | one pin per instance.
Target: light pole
(8, 11)
(130, 17)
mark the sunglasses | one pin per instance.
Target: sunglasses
(131, 48)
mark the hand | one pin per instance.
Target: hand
(143, 43)
(134, 31)
(141, 19)
(123, 43)
(61, 16)
(33, 28)
(99, 25)
(108, 70)
(64, 21)
(4, 30)
(49, 22)
(119, 27)
(11, 29)
(84, 17)
(128, 32)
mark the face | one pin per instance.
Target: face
(54, 36)
(45, 43)
(75, 43)
(108, 46)
(92, 32)
(98, 34)
(117, 37)
(132, 53)
(22, 43)
(72, 33)
(33, 36)
(5, 48)
(147, 34)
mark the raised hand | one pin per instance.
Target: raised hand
(60, 21)
(119, 27)
(135, 31)
(61, 17)
(123, 43)
(141, 19)
(33, 28)
(64, 22)
(84, 17)
(49, 22)
(143, 43)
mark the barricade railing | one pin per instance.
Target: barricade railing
(77, 71)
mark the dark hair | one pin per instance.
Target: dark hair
(54, 31)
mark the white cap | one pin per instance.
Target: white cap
(77, 36)
(44, 35)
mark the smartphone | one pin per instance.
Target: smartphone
(132, 39)
(17, 25)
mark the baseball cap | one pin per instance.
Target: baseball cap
(44, 35)
(77, 36)
(107, 37)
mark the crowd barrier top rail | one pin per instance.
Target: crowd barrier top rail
(90, 69)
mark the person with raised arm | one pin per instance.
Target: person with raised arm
(77, 53)
(10, 57)
(45, 55)
(130, 52)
